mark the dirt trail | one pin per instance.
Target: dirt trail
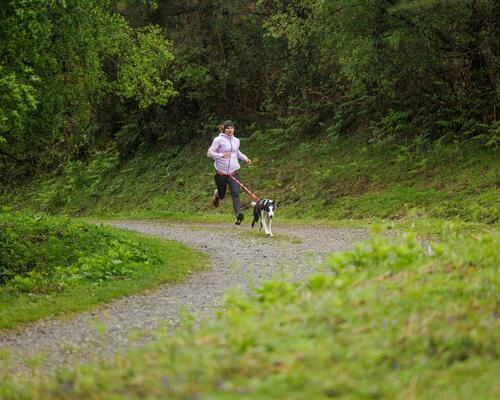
(239, 259)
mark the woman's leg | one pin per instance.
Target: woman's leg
(221, 183)
(235, 193)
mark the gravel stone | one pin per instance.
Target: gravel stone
(239, 260)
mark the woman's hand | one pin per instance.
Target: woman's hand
(249, 161)
(226, 155)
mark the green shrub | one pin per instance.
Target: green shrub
(379, 252)
(40, 253)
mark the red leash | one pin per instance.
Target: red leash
(244, 187)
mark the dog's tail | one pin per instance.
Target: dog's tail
(255, 215)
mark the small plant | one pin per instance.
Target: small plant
(380, 253)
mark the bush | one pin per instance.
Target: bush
(40, 253)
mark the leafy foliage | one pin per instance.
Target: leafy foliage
(139, 76)
(81, 75)
(41, 254)
(338, 178)
(61, 61)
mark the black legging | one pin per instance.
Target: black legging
(222, 181)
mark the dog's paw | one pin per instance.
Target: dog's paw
(253, 203)
(270, 234)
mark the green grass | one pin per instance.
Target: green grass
(389, 322)
(174, 216)
(344, 180)
(352, 184)
(56, 267)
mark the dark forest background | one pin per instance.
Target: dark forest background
(78, 76)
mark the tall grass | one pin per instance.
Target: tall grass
(338, 179)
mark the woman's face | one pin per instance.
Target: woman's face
(229, 131)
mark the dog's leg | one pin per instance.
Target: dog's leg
(270, 224)
(263, 219)
(255, 217)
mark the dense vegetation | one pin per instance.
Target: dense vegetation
(389, 322)
(82, 75)
(52, 266)
(61, 62)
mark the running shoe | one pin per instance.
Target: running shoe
(239, 218)
(215, 199)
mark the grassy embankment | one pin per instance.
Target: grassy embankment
(52, 266)
(417, 186)
(390, 322)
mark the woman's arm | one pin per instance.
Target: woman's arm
(212, 150)
(243, 157)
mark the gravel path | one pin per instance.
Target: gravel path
(239, 259)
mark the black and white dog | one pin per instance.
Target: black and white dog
(264, 209)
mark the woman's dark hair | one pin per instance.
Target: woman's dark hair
(228, 123)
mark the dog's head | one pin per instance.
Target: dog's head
(268, 206)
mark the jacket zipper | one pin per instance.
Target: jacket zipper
(230, 154)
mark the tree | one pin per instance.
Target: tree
(59, 62)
